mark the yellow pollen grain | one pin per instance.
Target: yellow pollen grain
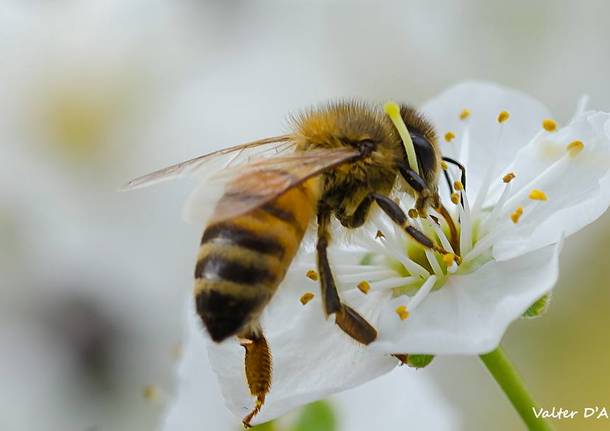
(464, 114)
(444, 165)
(508, 177)
(458, 186)
(312, 275)
(503, 117)
(364, 286)
(413, 213)
(537, 195)
(307, 296)
(574, 148)
(402, 312)
(516, 215)
(448, 258)
(549, 125)
(449, 136)
(455, 198)
(150, 392)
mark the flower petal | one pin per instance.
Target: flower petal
(471, 312)
(577, 190)
(312, 357)
(484, 101)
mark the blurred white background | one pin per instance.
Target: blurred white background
(93, 282)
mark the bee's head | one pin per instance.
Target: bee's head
(427, 153)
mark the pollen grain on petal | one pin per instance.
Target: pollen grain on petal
(464, 114)
(307, 296)
(508, 177)
(449, 136)
(402, 312)
(516, 215)
(364, 287)
(503, 117)
(574, 148)
(549, 124)
(312, 275)
(537, 195)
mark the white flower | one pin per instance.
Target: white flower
(510, 235)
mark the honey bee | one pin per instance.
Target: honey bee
(338, 161)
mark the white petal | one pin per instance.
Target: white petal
(312, 358)
(470, 313)
(577, 195)
(485, 101)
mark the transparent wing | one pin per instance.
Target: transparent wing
(225, 158)
(254, 184)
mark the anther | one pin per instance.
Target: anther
(455, 198)
(402, 312)
(508, 177)
(464, 114)
(549, 125)
(312, 275)
(449, 136)
(364, 286)
(449, 259)
(458, 186)
(574, 148)
(444, 165)
(413, 213)
(307, 296)
(537, 195)
(516, 215)
(503, 117)
(151, 393)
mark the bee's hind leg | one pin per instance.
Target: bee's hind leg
(346, 317)
(258, 369)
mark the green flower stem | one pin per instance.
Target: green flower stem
(505, 374)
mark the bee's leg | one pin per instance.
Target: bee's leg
(346, 317)
(398, 216)
(258, 369)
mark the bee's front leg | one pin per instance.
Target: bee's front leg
(258, 370)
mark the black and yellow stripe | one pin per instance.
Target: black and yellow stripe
(242, 260)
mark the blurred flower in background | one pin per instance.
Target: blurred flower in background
(94, 283)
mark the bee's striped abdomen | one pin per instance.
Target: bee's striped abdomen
(242, 260)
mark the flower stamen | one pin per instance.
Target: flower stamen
(549, 125)
(364, 287)
(307, 296)
(574, 148)
(516, 215)
(402, 312)
(537, 195)
(449, 136)
(464, 114)
(312, 275)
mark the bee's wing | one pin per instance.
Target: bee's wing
(226, 157)
(254, 184)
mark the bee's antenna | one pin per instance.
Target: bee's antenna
(393, 111)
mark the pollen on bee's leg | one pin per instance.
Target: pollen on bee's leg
(537, 195)
(402, 312)
(549, 125)
(464, 114)
(312, 275)
(574, 148)
(306, 297)
(364, 286)
(516, 215)
(449, 136)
